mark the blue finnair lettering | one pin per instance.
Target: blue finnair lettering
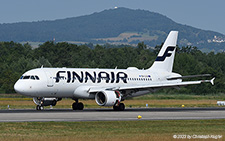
(166, 54)
(58, 76)
(84, 77)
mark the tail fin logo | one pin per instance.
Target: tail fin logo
(166, 53)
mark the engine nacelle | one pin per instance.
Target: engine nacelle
(108, 98)
(45, 101)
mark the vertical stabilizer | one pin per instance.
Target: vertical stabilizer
(165, 58)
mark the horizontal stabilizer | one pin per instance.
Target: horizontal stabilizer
(211, 81)
(188, 76)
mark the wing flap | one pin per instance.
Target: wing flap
(188, 76)
(160, 85)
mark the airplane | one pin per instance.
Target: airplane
(109, 87)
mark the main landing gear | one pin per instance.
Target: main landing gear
(77, 105)
(120, 107)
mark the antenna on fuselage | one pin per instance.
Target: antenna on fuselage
(115, 67)
(42, 66)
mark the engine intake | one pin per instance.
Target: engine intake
(108, 98)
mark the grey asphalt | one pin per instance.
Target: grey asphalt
(110, 115)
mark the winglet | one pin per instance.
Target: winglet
(211, 81)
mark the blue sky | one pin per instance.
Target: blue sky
(203, 14)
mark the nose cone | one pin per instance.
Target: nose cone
(18, 87)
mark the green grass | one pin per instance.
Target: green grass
(153, 96)
(110, 130)
(160, 96)
(12, 96)
(159, 100)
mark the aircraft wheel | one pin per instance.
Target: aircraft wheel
(80, 106)
(39, 107)
(115, 108)
(74, 106)
(121, 107)
(54, 102)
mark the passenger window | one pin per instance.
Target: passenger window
(37, 78)
(32, 77)
(26, 77)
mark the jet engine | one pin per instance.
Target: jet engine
(46, 101)
(108, 98)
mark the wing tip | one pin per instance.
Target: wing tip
(212, 80)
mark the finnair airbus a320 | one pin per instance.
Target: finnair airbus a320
(107, 86)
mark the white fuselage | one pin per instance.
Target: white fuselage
(66, 82)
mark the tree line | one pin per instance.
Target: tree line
(16, 58)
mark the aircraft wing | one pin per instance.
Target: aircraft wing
(152, 85)
(161, 85)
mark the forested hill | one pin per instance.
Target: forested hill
(15, 59)
(119, 26)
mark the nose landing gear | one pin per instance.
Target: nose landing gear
(38, 107)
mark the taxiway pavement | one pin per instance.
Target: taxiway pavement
(110, 115)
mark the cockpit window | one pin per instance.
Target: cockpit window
(32, 77)
(26, 77)
(37, 78)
